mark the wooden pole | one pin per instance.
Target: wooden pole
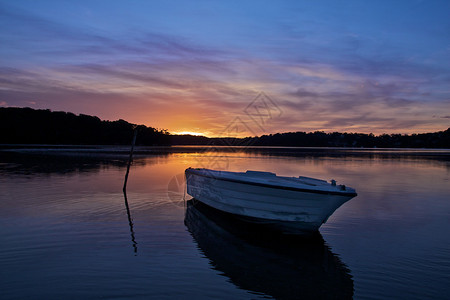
(130, 160)
(130, 220)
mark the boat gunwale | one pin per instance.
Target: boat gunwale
(267, 185)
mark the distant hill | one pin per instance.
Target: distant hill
(30, 126)
(439, 139)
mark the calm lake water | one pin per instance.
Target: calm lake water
(66, 233)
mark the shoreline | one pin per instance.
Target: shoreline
(49, 149)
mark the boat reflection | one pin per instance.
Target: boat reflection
(284, 267)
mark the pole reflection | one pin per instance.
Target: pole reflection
(130, 222)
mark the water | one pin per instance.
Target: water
(65, 231)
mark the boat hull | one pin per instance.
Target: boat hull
(289, 211)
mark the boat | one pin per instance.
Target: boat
(291, 205)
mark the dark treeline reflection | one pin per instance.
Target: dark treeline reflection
(284, 267)
(64, 159)
(439, 156)
(60, 162)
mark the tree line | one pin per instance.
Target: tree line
(30, 126)
(439, 139)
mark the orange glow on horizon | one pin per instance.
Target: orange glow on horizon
(189, 133)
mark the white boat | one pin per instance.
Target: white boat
(288, 204)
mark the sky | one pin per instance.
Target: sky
(234, 68)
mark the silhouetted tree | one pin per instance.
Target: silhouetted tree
(29, 126)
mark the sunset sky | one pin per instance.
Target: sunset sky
(196, 66)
